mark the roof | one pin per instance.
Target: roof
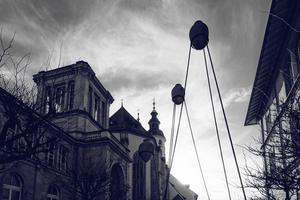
(269, 61)
(10, 101)
(122, 120)
(178, 189)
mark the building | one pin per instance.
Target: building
(274, 102)
(88, 155)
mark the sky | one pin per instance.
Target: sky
(139, 49)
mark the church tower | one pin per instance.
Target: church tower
(155, 131)
(159, 160)
(74, 98)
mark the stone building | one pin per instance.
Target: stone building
(94, 156)
(274, 102)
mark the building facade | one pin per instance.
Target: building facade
(274, 102)
(92, 156)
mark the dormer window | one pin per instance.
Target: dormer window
(59, 99)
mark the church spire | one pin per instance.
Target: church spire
(154, 122)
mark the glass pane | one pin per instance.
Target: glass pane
(15, 195)
(5, 194)
(15, 181)
(53, 191)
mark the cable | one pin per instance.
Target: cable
(194, 143)
(180, 114)
(176, 137)
(227, 127)
(172, 133)
(187, 67)
(216, 125)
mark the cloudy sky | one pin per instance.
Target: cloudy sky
(139, 48)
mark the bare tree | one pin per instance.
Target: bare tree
(23, 132)
(90, 180)
(280, 175)
(13, 73)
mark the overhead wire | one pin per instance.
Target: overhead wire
(216, 124)
(226, 123)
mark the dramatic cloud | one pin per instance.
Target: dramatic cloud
(118, 79)
(138, 48)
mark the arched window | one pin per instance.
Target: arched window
(12, 187)
(139, 178)
(53, 193)
(117, 183)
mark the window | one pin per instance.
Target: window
(139, 174)
(53, 193)
(48, 100)
(282, 94)
(62, 158)
(21, 145)
(272, 161)
(12, 188)
(90, 100)
(10, 139)
(268, 121)
(273, 110)
(103, 112)
(71, 93)
(59, 99)
(13, 141)
(50, 155)
(294, 65)
(97, 108)
(117, 183)
(280, 89)
(264, 126)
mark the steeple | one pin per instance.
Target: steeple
(156, 132)
(138, 115)
(154, 123)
